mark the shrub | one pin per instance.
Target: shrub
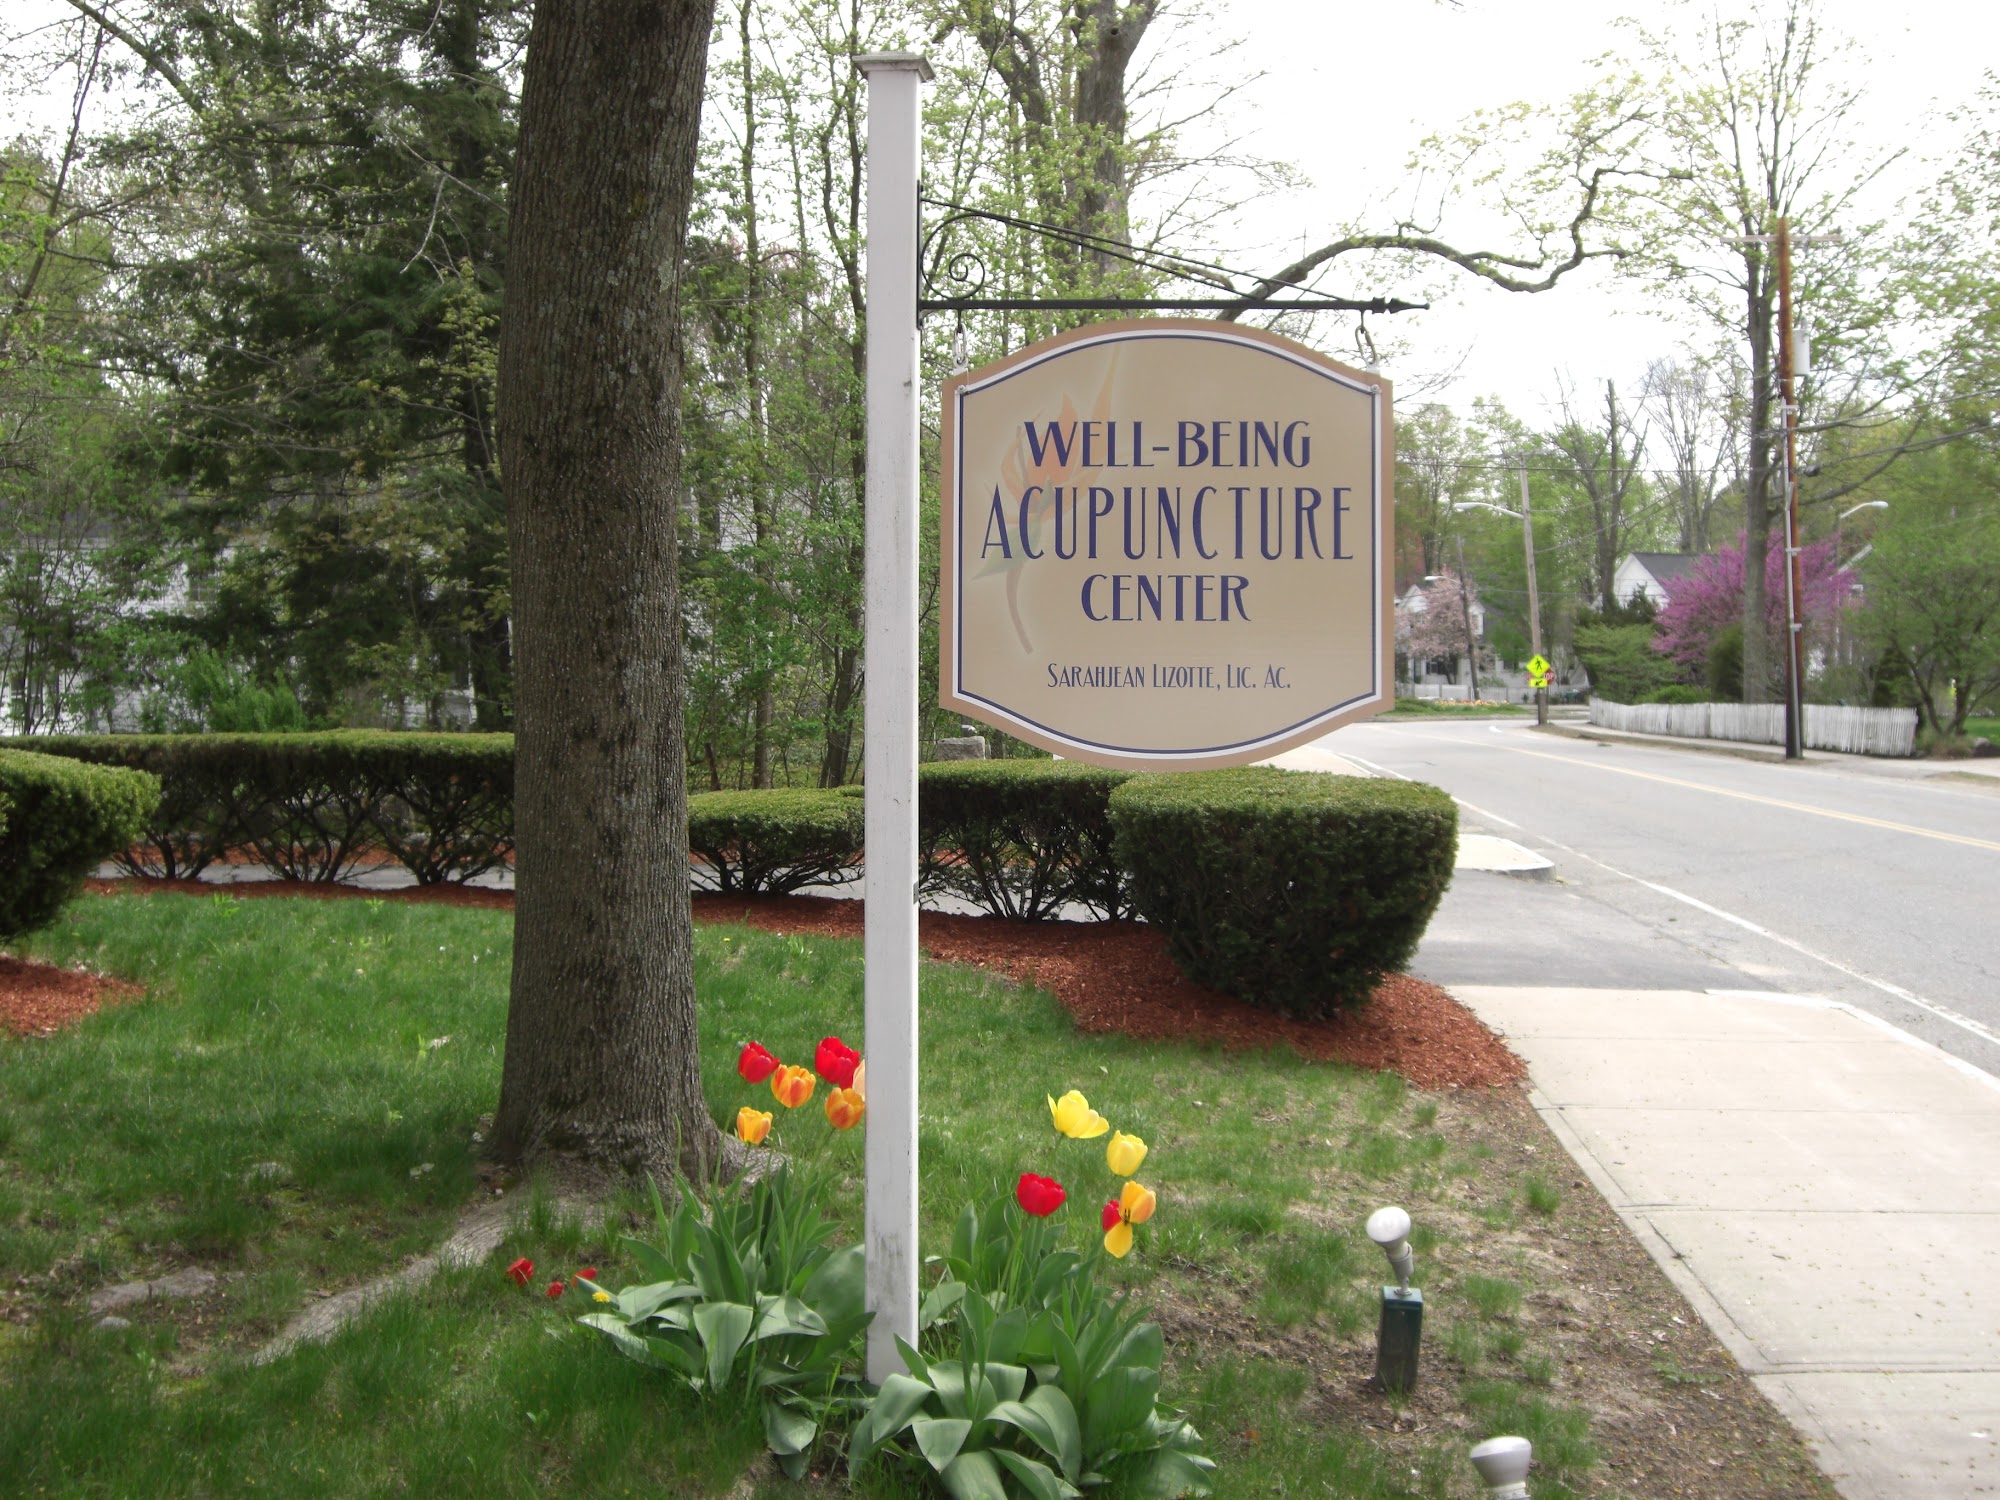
(61, 819)
(1676, 692)
(1290, 889)
(1622, 663)
(1020, 838)
(1725, 665)
(311, 805)
(774, 841)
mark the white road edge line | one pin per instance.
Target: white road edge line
(1479, 811)
(1942, 1012)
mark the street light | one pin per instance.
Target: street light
(1865, 505)
(1526, 516)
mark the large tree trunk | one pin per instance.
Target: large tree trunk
(601, 1062)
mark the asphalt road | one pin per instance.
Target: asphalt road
(1681, 870)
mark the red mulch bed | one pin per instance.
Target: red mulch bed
(40, 999)
(1112, 977)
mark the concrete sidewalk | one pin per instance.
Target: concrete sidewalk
(1822, 1187)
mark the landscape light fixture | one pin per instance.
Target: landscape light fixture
(1390, 1228)
(1502, 1463)
(1400, 1332)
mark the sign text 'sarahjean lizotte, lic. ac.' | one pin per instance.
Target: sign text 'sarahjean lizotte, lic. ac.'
(1167, 544)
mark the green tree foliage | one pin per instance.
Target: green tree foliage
(315, 290)
(1933, 586)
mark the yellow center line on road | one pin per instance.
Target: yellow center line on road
(1804, 807)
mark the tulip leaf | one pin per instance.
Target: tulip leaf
(914, 1362)
(1004, 1382)
(1036, 1478)
(636, 1302)
(1004, 1339)
(899, 1399)
(948, 1380)
(779, 1316)
(651, 1262)
(974, 1476)
(838, 1288)
(940, 1438)
(938, 1304)
(1165, 1474)
(1144, 1345)
(1049, 1420)
(1058, 1264)
(787, 1429)
(965, 1235)
(1117, 1404)
(722, 1326)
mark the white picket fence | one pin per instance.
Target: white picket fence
(1856, 731)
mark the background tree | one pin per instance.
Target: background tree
(602, 1062)
(1750, 124)
(1933, 582)
(1600, 463)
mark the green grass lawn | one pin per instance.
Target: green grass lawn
(1987, 727)
(1441, 708)
(294, 1107)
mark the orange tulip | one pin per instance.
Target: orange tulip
(791, 1086)
(752, 1125)
(843, 1109)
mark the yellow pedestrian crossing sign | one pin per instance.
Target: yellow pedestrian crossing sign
(1538, 666)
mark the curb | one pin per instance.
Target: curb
(1766, 753)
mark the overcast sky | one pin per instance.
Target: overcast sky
(1350, 90)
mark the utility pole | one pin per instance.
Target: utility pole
(1781, 243)
(1795, 644)
(1534, 594)
(1465, 609)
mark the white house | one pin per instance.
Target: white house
(1649, 573)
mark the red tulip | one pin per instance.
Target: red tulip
(520, 1271)
(1111, 1215)
(835, 1061)
(555, 1289)
(588, 1273)
(755, 1064)
(1040, 1196)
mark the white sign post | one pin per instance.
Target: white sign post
(889, 719)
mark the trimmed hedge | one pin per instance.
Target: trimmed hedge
(773, 842)
(1289, 889)
(61, 818)
(312, 805)
(1020, 838)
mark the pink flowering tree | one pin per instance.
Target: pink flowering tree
(1702, 604)
(1430, 623)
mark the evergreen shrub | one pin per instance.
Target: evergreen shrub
(62, 817)
(312, 806)
(1020, 838)
(1677, 692)
(1288, 889)
(773, 842)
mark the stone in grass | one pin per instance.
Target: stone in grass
(113, 1324)
(273, 1172)
(191, 1282)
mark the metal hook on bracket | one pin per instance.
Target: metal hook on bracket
(1366, 344)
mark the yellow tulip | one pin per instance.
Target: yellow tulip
(792, 1086)
(1124, 1153)
(861, 1079)
(1136, 1203)
(843, 1109)
(1118, 1239)
(1075, 1118)
(752, 1125)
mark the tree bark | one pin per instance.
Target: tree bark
(601, 1061)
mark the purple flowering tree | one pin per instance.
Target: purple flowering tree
(1702, 604)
